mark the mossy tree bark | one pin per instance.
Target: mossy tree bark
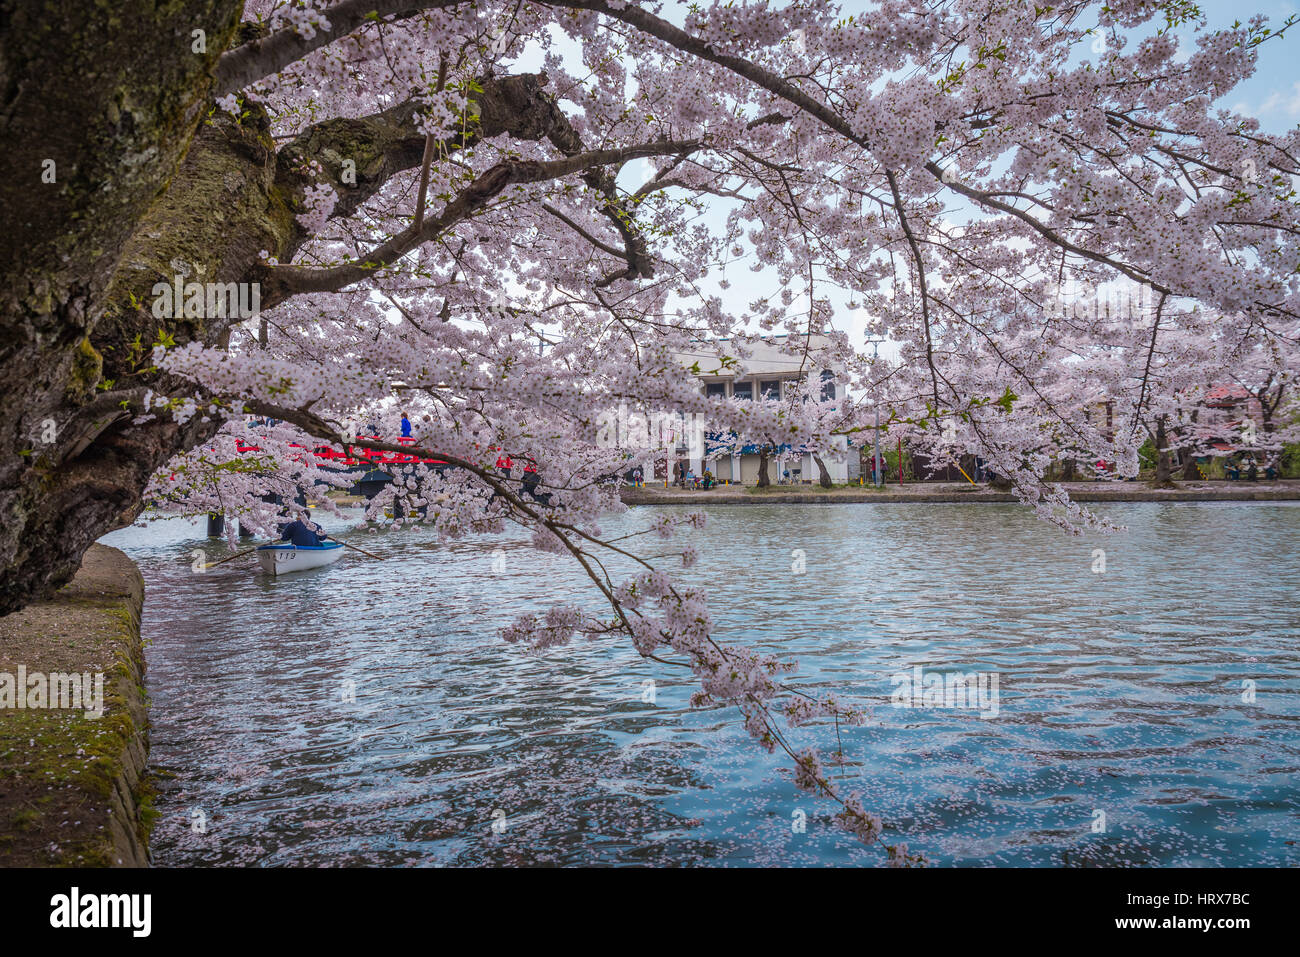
(1164, 477)
(101, 103)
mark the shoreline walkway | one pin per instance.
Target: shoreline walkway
(1283, 490)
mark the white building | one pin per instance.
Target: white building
(767, 372)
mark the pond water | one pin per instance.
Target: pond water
(368, 713)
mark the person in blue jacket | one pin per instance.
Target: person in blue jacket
(301, 532)
(406, 426)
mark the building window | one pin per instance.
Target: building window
(718, 389)
(828, 386)
(743, 390)
(771, 389)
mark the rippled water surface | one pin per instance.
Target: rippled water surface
(1126, 733)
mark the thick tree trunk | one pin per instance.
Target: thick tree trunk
(221, 207)
(763, 480)
(824, 475)
(100, 104)
(1164, 461)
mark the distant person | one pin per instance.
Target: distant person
(406, 426)
(531, 481)
(504, 464)
(301, 532)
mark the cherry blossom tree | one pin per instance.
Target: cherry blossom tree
(442, 207)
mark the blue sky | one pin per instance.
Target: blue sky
(1272, 95)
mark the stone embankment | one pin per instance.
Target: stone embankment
(74, 790)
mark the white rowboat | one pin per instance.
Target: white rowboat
(280, 559)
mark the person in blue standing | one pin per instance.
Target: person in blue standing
(406, 426)
(301, 532)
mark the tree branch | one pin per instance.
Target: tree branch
(257, 59)
(281, 282)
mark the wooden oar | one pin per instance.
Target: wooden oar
(230, 558)
(361, 550)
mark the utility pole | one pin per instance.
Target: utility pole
(875, 459)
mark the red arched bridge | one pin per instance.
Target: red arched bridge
(372, 457)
